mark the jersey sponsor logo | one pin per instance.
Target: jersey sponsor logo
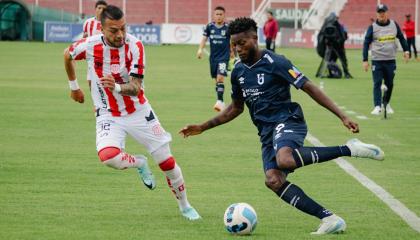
(102, 95)
(384, 39)
(241, 80)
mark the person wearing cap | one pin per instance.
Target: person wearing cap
(409, 29)
(270, 31)
(381, 37)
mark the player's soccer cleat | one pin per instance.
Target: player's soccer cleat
(364, 150)
(389, 110)
(190, 213)
(376, 110)
(146, 175)
(331, 224)
(219, 106)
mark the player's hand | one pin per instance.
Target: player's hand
(406, 57)
(366, 66)
(191, 130)
(108, 82)
(350, 124)
(77, 95)
(199, 53)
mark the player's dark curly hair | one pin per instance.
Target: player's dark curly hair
(242, 24)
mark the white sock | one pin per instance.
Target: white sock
(176, 183)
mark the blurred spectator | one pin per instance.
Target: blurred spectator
(409, 29)
(150, 22)
(270, 31)
(82, 18)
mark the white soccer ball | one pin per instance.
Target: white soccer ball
(240, 219)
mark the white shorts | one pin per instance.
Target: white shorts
(143, 125)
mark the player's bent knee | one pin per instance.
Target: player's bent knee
(111, 157)
(108, 153)
(168, 164)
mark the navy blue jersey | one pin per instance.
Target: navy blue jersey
(219, 38)
(265, 88)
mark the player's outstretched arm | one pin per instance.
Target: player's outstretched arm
(76, 93)
(319, 96)
(228, 114)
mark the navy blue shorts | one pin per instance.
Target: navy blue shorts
(218, 67)
(291, 133)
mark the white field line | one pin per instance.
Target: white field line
(348, 111)
(398, 207)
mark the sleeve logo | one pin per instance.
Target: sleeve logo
(295, 73)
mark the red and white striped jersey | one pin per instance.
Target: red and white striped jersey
(92, 27)
(128, 60)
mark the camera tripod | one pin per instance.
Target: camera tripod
(323, 66)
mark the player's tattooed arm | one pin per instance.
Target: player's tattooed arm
(231, 112)
(132, 88)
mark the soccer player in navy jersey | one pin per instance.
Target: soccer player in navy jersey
(219, 36)
(261, 80)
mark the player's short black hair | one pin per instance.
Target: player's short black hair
(242, 24)
(111, 12)
(100, 2)
(270, 12)
(220, 8)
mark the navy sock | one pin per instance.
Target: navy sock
(220, 89)
(295, 196)
(309, 155)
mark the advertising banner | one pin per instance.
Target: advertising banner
(308, 38)
(182, 33)
(148, 34)
(62, 32)
(71, 32)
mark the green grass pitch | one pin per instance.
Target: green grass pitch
(52, 185)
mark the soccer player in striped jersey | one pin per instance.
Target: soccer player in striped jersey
(118, 61)
(92, 26)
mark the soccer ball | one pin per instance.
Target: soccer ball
(240, 219)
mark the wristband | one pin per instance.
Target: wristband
(117, 88)
(74, 85)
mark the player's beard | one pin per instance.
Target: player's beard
(117, 43)
(250, 58)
